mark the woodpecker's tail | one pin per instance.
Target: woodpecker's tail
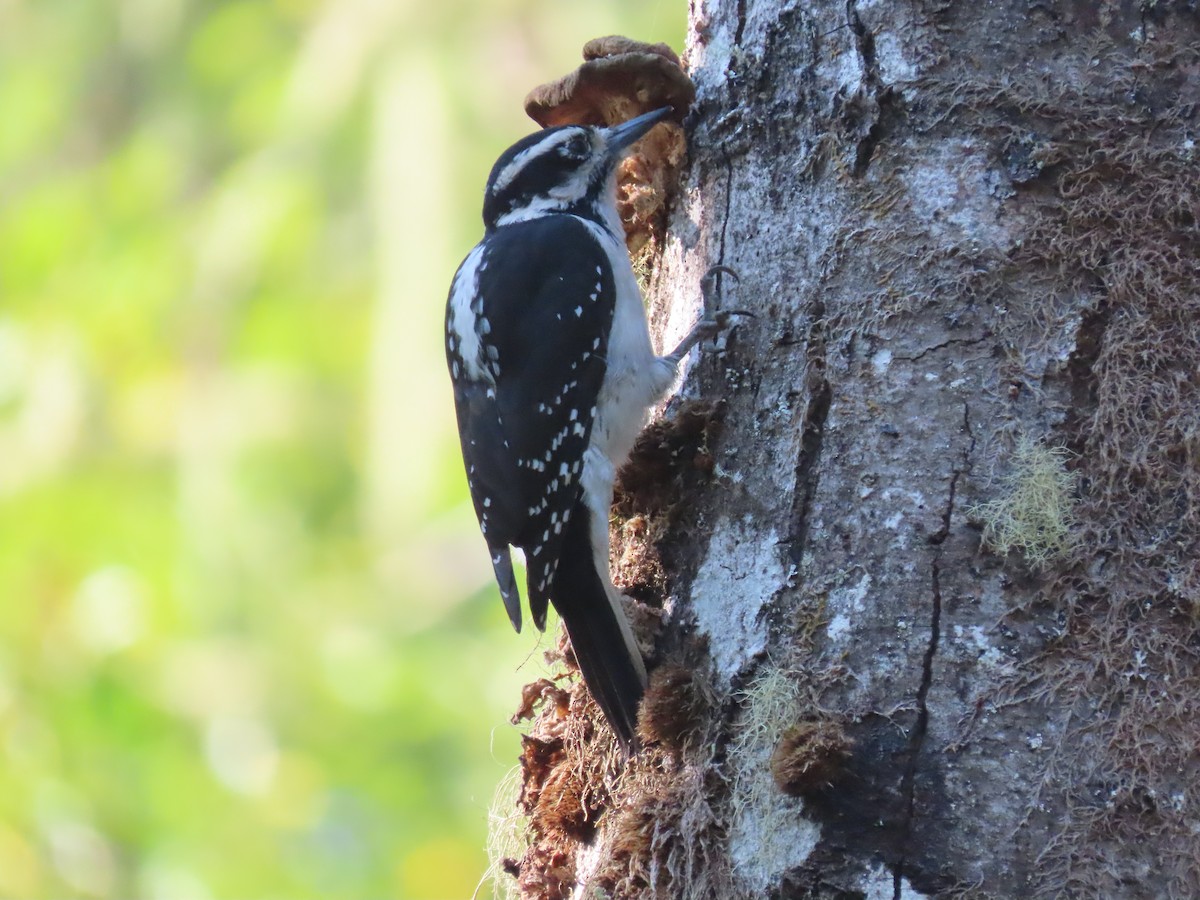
(601, 638)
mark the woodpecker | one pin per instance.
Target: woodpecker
(554, 373)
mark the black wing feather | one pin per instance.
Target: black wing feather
(495, 498)
(526, 425)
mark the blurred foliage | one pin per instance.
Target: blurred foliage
(248, 643)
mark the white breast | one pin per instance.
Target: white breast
(635, 377)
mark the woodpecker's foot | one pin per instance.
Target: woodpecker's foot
(710, 287)
(715, 319)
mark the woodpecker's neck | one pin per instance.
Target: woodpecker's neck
(604, 211)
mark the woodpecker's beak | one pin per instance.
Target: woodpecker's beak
(620, 137)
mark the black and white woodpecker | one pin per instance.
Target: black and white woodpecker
(554, 373)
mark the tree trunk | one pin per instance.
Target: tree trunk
(928, 526)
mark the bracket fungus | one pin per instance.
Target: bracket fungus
(621, 78)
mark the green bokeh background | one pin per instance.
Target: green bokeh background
(248, 643)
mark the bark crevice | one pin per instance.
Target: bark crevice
(820, 396)
(872, 99)
(952, 342)
(908, 782)
(740, 29)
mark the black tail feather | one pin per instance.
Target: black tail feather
(502, 566)
(602, 643)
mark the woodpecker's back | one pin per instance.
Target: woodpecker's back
(553, 370)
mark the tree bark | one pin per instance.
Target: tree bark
(928, 526)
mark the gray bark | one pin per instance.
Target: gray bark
(952, 521)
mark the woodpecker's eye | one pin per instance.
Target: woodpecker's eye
(577, 147)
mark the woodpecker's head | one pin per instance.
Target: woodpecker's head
(565, 169)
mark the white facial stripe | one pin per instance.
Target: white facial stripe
(555, 201)
(542, 206)
(506, 175)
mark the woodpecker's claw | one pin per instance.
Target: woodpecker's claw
(710, 288)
